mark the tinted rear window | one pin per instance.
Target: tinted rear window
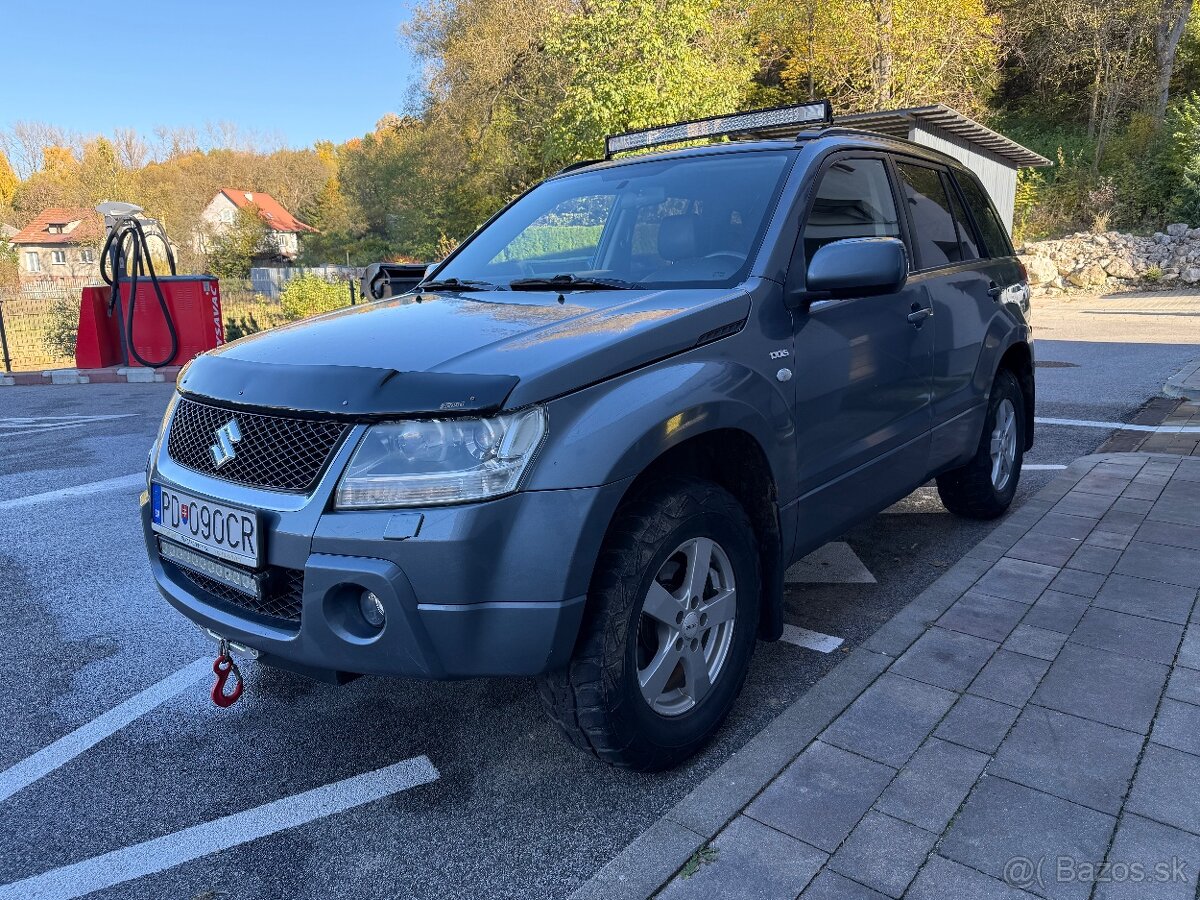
(932, 220)
(966, 234)
(993, 232)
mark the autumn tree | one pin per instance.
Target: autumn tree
(880, 54)
(1169, 24)
(1085, 58)
(8, 181)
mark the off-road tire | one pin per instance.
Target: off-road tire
(597, 700)
(968, 490)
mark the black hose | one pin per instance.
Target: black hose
(136, 260)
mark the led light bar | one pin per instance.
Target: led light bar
(804, 114)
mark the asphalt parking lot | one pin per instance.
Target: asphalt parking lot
(379, 788)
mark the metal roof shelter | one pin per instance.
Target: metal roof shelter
(900, 123)
(987, 153)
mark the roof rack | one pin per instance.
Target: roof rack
(803, 115)
(581, 164)
(810, 134)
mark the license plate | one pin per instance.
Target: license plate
(217, 528)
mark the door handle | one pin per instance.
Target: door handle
(919, 313)
(994, 290)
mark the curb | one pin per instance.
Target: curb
(112, 375)
(653, 858)
(1184, 384)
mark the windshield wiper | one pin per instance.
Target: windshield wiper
(570, 282)
(456, 284)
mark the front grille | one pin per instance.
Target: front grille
(274, 452)
(281, 598)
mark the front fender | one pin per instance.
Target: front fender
(615, 429)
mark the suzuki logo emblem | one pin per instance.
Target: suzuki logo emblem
(227, 435)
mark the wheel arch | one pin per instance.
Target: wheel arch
(751, 482)
(714, 418)
(1018, 359)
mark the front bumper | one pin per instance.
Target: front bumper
(494, 588)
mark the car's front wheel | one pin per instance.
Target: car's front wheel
(669, 629)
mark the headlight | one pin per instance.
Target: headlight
(425, 463)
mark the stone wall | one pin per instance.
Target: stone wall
(1113, 261)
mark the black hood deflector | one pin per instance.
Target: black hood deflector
(351, 392)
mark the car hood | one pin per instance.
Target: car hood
(469, 352)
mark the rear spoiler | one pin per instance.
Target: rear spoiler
(382, 280)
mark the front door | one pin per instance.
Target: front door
(863, 366)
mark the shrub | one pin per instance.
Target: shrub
(240, 326)
(308, 295)
(60, 336)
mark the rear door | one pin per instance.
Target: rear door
(863, 364)
(953, 267)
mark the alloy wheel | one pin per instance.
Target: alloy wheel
(686, 627)
(1004, 444)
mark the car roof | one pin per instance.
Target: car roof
(823, 140)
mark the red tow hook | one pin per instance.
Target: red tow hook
(224, 667)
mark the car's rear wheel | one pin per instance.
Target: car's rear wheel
(670, 626)
(984, 488)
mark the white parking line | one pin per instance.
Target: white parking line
(810, 640)
(159, 854)
(1120, 426)
(38, 429)
(80, 490)
(86, 736)
(1041, 467)
(20, 421)
(11, 426)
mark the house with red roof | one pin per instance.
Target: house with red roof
(283, 229)
(60, 242)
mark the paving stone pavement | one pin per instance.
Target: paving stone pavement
(1028, 727)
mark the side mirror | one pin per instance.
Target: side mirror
(857, 267)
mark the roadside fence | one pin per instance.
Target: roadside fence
(39, 321)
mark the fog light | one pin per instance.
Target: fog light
(371, 608)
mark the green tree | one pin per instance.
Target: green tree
(232, 250)
(1183, 124)
(639, 63)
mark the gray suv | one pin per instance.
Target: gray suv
(587, 446)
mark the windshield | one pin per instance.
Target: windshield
(686, 222)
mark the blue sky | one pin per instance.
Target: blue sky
(304, 70)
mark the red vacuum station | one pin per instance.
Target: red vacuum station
(141, 318)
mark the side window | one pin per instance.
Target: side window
(932, 220)
(853, 200)
(969, 247)
(993, 232)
